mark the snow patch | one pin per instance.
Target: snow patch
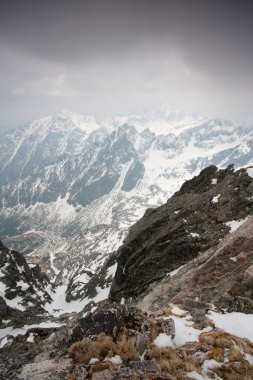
(215, 199)
(175, 271)
(116, 359)
(234, 224)
(22, 330)
(250, 172)
(163, 340)
(194, 234)
(238, 324)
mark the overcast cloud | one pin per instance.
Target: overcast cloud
(108, 57)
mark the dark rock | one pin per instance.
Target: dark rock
(108, 319)
(3, 308)
(241, 304)
(22, 281)
(145, 366)
(171, 235)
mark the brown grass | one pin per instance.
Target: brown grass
(174, 361)
(156, 329)
(233, 372)
(125, 348)
(104, 347)
(87, 349)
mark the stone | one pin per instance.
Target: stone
(46, 370)
(103, 375)
(248, 277)
(80, 373)
(140, 343)
(168, 327)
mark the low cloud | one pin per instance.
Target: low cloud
(110, 57)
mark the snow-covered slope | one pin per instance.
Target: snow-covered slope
(70, 185)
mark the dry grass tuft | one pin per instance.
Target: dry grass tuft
(71, 376)
(104, 347)
(98, 367)
(87, 349)
(156, 329)
(236, 371)
(174, 361)
(126, 348)
(167, 312)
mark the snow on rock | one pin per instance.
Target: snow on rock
(24, 286)
(23, 330)
(60, 305)
(194, 234)
(234, 224)
(175, 271)
(177, 310)
(235, 323)
(164, 340)
(4, 341)
(249, 358)
(93, 361)
(102, 294)
(250, 172)
(30, 338)
(116, 359)
(215, 199)
(111, 271)
(185, 332)
(209, 365)
(214, 181)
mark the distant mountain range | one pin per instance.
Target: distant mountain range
(71, 186)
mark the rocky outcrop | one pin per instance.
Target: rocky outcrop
(121, 343)
(194, 219)
(23, 288)
(220, 276)
(87, 348)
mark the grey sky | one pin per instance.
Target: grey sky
(110, 56)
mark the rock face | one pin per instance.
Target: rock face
(220, 276)
(22, 287)
(194, 219)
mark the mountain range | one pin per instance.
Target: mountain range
(72, 185)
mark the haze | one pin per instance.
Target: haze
(110, 57)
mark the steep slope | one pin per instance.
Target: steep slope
(194, 219)
(222, 275)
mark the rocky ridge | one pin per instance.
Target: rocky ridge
(193, 220)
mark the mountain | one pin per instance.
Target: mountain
(71, 186)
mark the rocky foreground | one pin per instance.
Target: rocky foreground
(121, 342)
